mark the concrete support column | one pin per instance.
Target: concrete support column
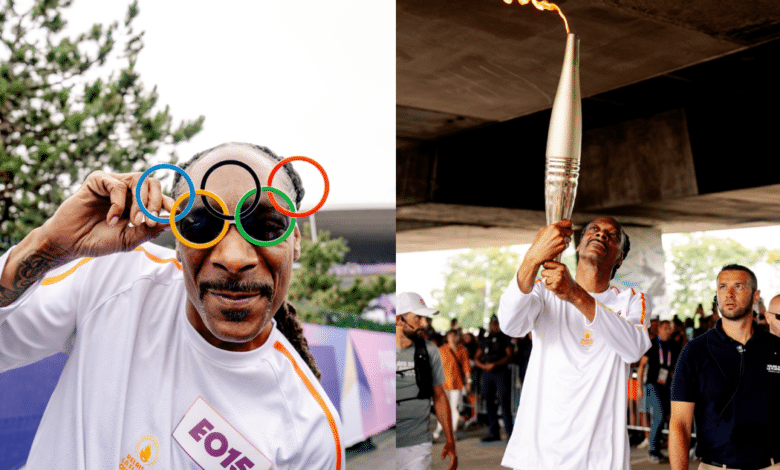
(643, 269)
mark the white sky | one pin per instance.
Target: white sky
(421, 272)
(304, 77)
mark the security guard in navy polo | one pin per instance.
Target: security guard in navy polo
(729, 379)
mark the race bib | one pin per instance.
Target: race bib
(214, 444)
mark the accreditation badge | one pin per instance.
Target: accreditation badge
(663, 375)
(214, 444)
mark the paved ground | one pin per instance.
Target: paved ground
(472, 454)
(475, 455)
(380, 456)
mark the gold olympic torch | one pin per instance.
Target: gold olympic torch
(564, 140)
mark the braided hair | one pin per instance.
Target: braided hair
(287, 320)
(625, 245)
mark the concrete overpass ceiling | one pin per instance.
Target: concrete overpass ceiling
(485, 60)
(679, 115)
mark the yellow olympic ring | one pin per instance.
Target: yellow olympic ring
(213, 242)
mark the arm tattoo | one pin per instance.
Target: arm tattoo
(31, 268)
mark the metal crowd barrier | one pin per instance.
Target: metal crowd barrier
(639, 418)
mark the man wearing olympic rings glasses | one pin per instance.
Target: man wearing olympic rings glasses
(188, 359)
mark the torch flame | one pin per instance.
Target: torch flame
(543, 5)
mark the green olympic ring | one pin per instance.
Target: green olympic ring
(249, 238)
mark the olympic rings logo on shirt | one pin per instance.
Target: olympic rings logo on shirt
(238, 214)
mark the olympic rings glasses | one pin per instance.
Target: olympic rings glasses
(204, 227)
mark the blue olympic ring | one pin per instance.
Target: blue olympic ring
(187, 178)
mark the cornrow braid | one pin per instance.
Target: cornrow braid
(289, 324)
(291, 173)
(286, 317)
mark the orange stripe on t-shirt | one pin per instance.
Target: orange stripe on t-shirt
(334, 429)
(159, 260)
(55, 279)
(642, 319)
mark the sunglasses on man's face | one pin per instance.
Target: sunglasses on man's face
(264, 224)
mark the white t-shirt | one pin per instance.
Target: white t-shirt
(137, 370)
(572, 413)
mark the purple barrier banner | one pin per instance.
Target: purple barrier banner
(375, 354)
(358, 374)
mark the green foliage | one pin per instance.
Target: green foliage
(697, 264)
(322, 297)
(321, 316)
(466, 285)
(64, 113)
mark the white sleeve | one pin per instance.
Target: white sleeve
(41, 322)
(517, 312)
(626, 335)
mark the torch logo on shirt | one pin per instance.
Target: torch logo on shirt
(587, 338)
(147, 450)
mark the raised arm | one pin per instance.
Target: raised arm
(94, 221)
(36, 320)
(550, 242)
(521, 302)
(26, 263)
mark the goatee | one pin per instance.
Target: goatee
(419, 333)
(235, 315)
(738, 315)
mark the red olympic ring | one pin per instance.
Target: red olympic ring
(310, 211)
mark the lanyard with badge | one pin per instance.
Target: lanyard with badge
(663, 370)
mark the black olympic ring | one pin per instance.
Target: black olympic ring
(245, 212)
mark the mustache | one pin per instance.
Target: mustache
(417, 333)
(265, 290)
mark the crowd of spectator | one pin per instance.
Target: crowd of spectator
(478, 379)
